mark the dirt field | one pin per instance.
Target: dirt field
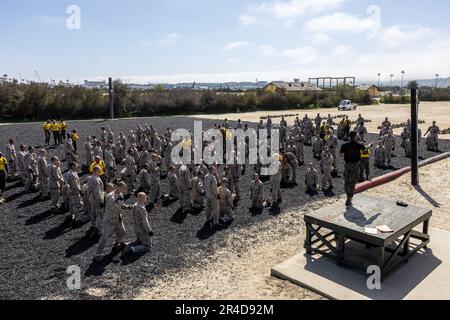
(429, 111)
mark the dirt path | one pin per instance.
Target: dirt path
(429, 111)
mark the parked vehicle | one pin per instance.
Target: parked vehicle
(347, 105)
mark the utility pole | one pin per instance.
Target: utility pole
(111, 98)
(414, 137)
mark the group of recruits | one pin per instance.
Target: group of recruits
(146, 157)
(58, 129)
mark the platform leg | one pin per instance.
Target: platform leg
(381, 252)
(308, 239)
(426, 226)
(341, 248)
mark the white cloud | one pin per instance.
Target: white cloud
(295, 8)
(267, 50)
(341, 22)
(247, 20)
(398, 36)
(300, 55)
(320, 39)
(235, 45)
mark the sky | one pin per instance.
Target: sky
(156, 41)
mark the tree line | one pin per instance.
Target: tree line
(37, 102)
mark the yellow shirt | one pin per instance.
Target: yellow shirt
(3, 163)
(75, 137)
(46, 126)
(54, 127)
(101, 164)
(365, 153)
(63, 125)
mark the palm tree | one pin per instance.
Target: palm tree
(392, 76)
(403, 75)
(379, 75)
(437, 80)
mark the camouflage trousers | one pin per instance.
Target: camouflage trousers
(212, 210)
(108, 230)
(185, 199)
(364, 167)
(350, 178)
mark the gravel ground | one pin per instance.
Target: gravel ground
(37, 247)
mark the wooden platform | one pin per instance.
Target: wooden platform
(329, 232)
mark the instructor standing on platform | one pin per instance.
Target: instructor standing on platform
(351, 152)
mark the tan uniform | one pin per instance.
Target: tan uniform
(70, 153)
(96, 201)
(173, 185)
(327, 165)
(143, 180)
(74, 194)
(110, 165)
(311, 179)
(257, 194)
(275, 181)
(142, 227)
(197, 193)
(212, 199)
(185, 186)
(226, 205)
(55, 184)
(43, 175)
(112, 221)
(30, 170)
(130, 172)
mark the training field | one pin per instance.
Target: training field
(397, 113)
(186, 261)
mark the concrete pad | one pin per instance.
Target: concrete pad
(424, 277)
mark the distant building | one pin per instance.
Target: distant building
(4, 79)
(295, 86)
(371, 89)
(95, 84)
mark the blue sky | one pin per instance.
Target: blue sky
(224, 40)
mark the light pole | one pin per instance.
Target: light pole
(403, 76)
(437, 80)
(392, 76)
(111, 98)
(379, 76)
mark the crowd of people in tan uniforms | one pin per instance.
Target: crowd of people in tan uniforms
(134, 163)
